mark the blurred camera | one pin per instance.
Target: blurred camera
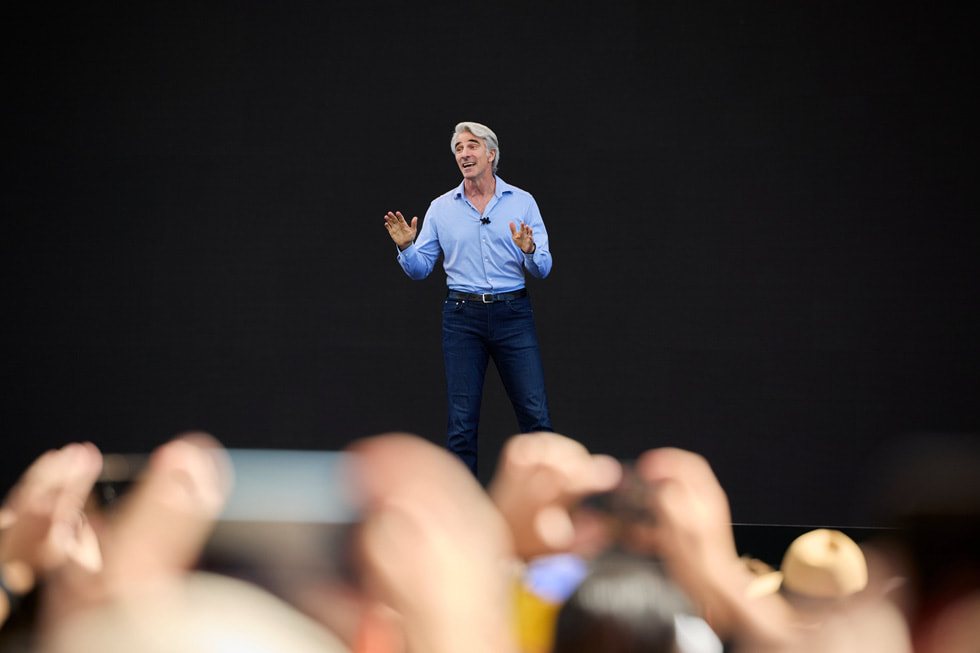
(627, 504)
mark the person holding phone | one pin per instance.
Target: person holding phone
(489, 234)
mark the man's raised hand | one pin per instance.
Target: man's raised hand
(401, 232)
(523, 237)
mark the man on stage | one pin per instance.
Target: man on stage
(489, 233)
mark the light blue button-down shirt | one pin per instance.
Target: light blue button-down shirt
(478, 257)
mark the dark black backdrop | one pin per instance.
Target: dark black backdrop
(762, 216)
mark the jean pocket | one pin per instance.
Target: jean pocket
(522, 305)
(452, 306)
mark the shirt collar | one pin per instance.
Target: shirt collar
(501, 188)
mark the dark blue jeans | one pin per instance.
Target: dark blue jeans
(473, 333)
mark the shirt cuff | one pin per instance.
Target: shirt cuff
(403, 252)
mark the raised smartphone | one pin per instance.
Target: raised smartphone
(289, 519)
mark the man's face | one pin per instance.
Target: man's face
(472, 157)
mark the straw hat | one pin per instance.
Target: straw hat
(824, 563)
(820, 564)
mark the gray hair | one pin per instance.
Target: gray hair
(480, 131)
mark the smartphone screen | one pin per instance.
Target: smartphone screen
(278, 485)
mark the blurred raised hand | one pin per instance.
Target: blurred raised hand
(539, 479)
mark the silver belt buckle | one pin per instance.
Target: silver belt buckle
(484, 297)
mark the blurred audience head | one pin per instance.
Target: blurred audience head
(205, 613)
(625, 604)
